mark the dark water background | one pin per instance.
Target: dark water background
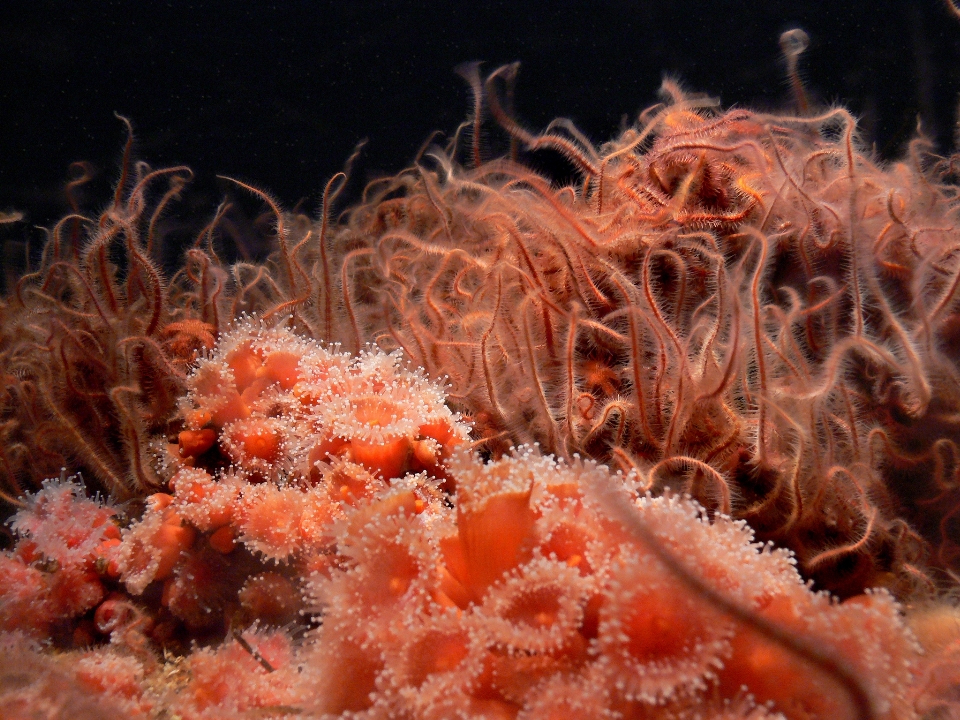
(279, 93)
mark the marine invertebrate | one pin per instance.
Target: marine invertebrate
(529, 588)
(95, 338)
(281, 435)
(745, 302)
(289, 435)
(276, 405)
(230, 680)
(66, 543)
(517, 595)
(741, 315)
(32, 682)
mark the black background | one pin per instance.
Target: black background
(279, 93)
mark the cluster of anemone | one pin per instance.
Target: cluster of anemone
(280, 435)
(54, 575)
(272, 405)
(527, 600)
(213, 683)
(522, 596)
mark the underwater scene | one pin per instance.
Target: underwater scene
(507, 360)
